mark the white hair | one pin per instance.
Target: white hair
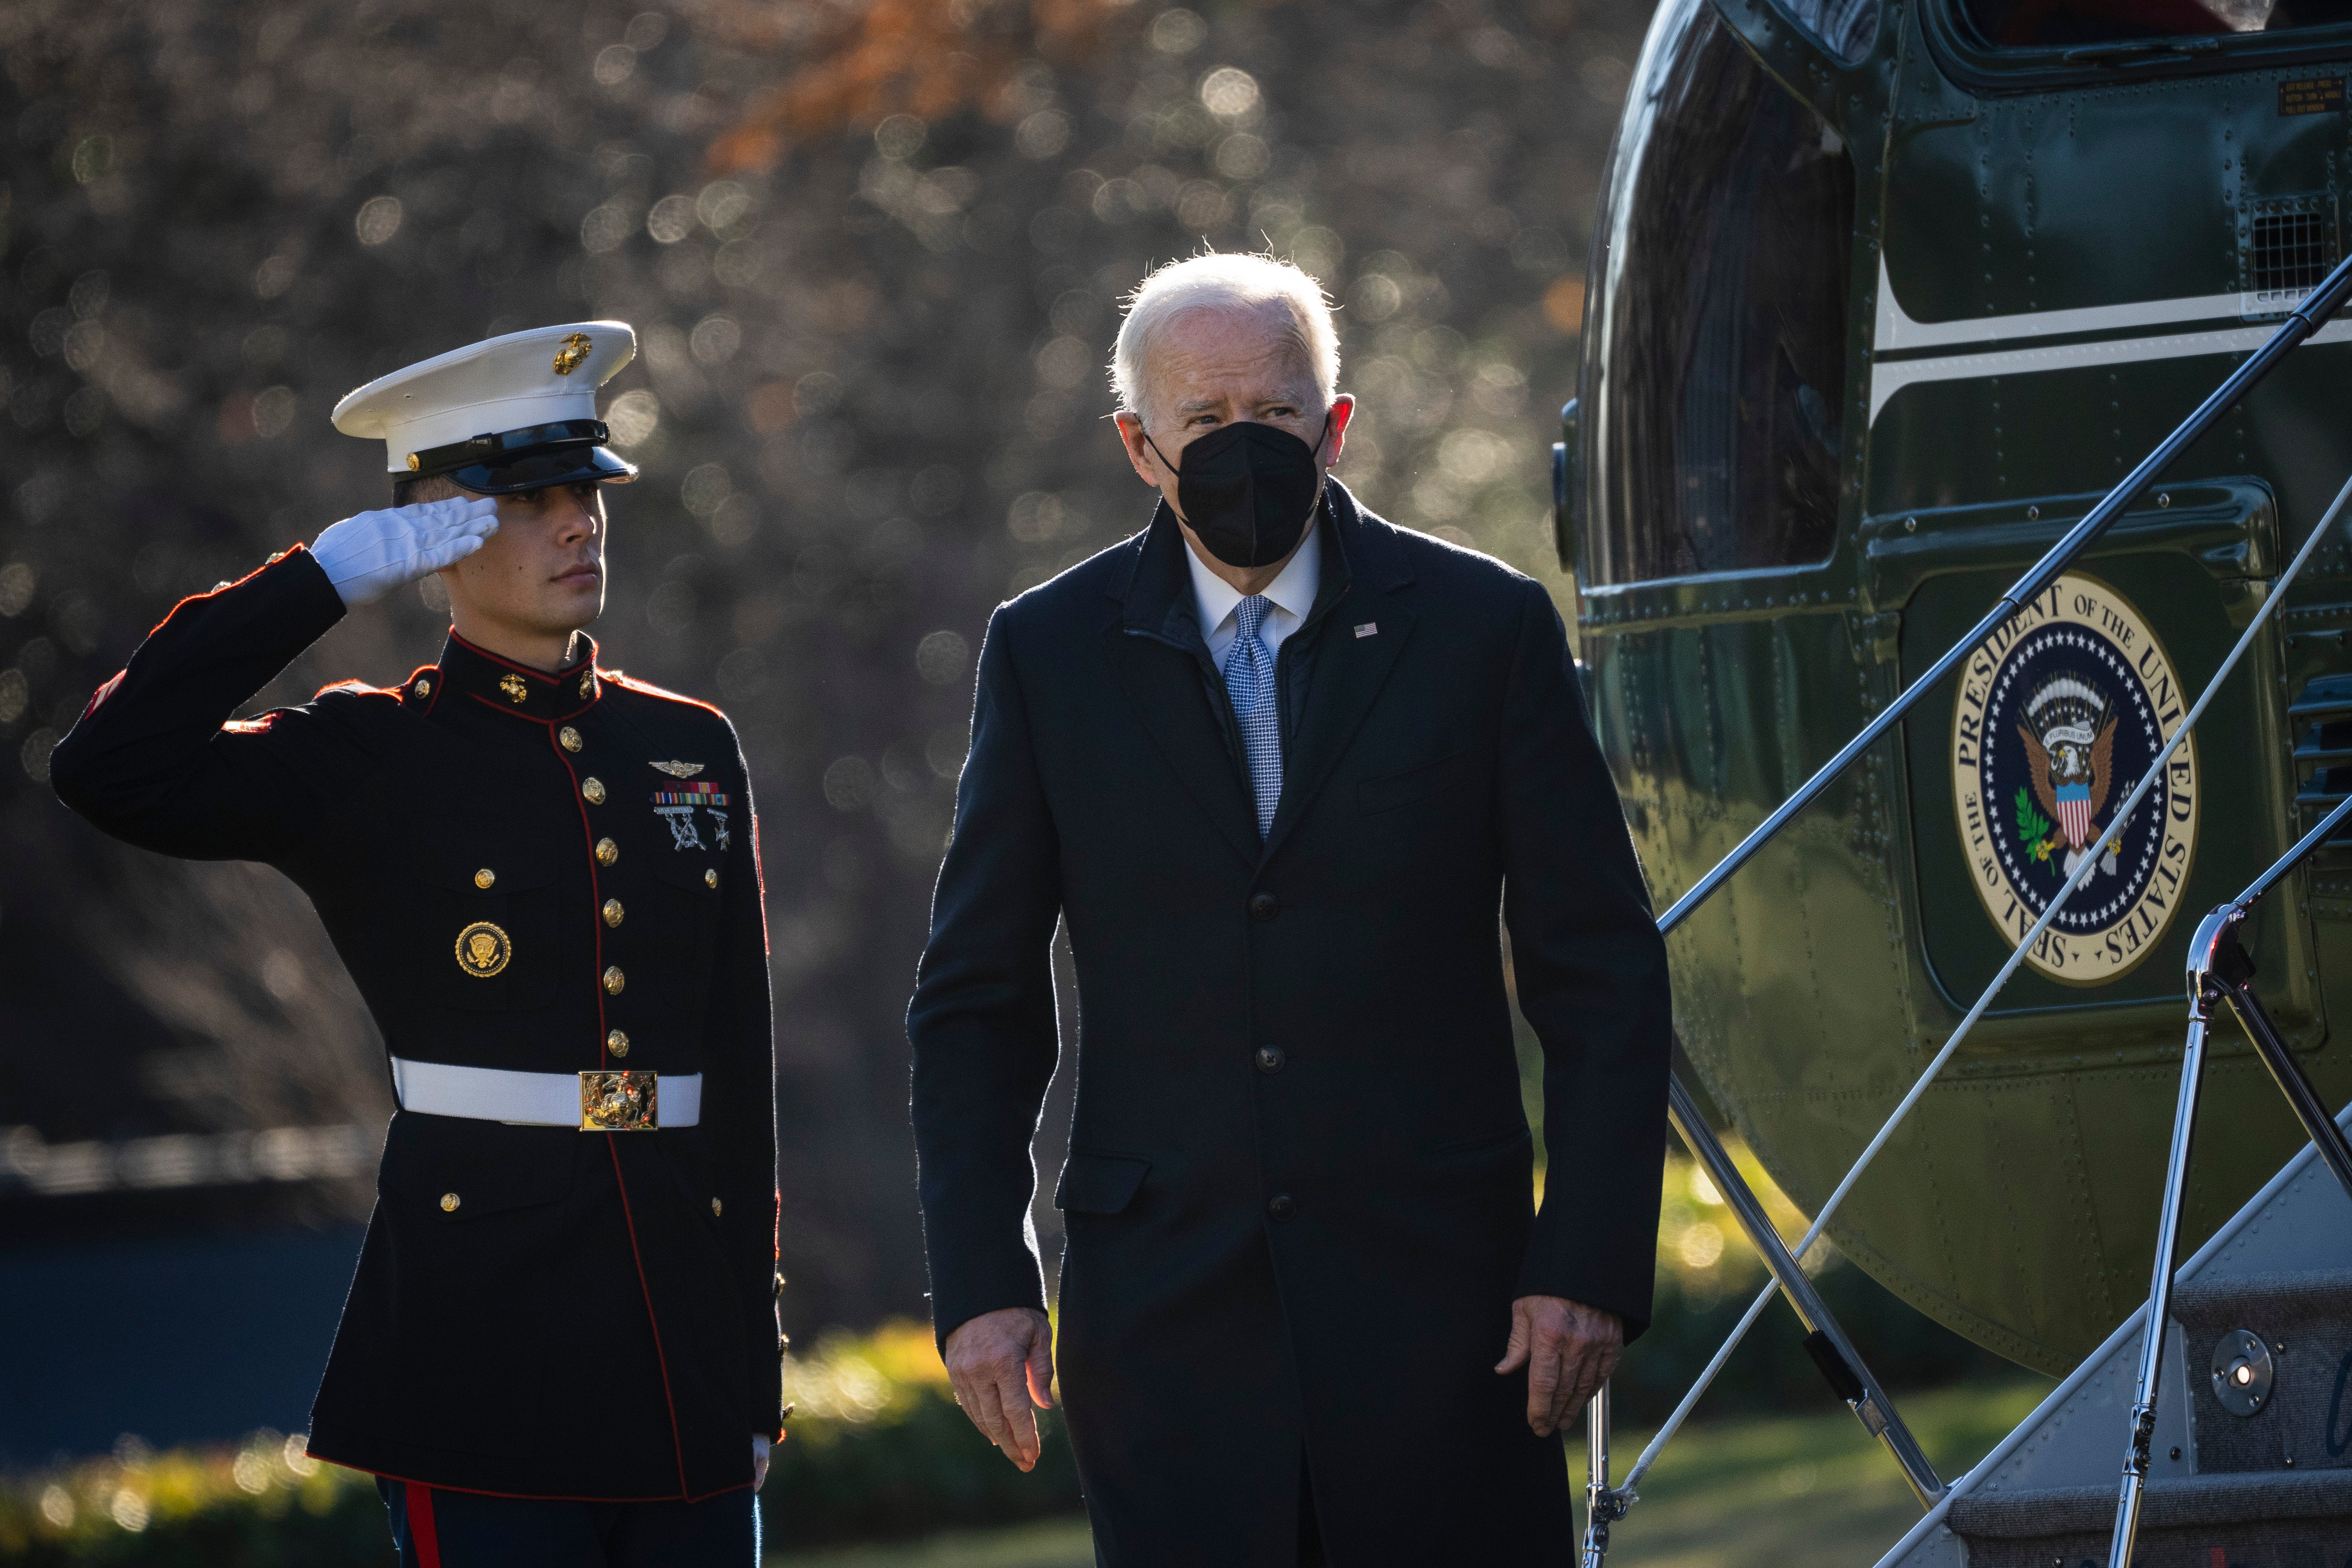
(1223, 278)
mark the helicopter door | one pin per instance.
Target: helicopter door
(2080, 240)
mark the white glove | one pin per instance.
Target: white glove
(367, 556)
(759, 1460)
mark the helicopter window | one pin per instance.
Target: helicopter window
(2043, 23)
(1722, 370)
(1845, 27)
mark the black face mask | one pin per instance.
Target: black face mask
(1248, 490)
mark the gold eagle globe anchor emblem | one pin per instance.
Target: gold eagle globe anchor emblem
(515, 688)
(573, 353)
(483, 949)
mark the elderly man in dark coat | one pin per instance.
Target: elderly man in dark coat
(1278, 766)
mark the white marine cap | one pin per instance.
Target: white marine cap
(512, 412)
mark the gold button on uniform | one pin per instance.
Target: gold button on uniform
(711, 879)
(484, 877)
(425, 689)
(448, 1203)
(569, 738)
(617, 1043)
(715, 1206)
(607, 852)
(614, 980)
(587, 684)
(594, 790)
(612, 912)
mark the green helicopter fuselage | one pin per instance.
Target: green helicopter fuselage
(1871, 322)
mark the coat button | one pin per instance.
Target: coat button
(612, 912)
(592, 790)
(716, 1207)
(607, 852)
(484, 877)
(1263, 906)
(614, 980)
(1270, 1058)
(568, 738)
(710, 880)
(1280, 1207)
(448, 1203)
(617, 1043)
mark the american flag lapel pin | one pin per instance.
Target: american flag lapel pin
(1368, 629)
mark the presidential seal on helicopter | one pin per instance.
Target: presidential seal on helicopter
(2072, 692)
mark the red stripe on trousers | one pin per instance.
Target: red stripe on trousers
(422, 1534)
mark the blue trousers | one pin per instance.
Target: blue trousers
(437, 1528)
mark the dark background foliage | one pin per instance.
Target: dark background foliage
(873, 253)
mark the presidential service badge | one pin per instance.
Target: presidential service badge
(483, 949)
(2060, 710)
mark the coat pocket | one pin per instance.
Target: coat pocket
(686, 895)
(489, 929)
(1483, 1143)
(1375, 795)
(485, 1167)
(1098, 1183)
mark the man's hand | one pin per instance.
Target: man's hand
(759, 1460)
(1000, 1361)
(368, 555)
(1568, 1349)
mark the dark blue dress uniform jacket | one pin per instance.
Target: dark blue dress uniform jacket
(538, 1311)
(1297, 1199)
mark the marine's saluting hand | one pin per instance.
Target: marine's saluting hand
(1568, 1349)
(369, 554)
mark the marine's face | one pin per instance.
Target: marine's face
(543, 572)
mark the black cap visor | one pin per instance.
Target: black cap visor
(538, 470)
(514, 461)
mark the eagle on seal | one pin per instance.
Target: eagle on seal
(2072, 760)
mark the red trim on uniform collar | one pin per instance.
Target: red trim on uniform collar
(516, 690)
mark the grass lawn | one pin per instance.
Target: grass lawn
(1734, 1494)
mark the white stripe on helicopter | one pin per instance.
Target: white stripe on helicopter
(1898, 331)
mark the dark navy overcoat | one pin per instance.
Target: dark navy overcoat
(1298, 1198)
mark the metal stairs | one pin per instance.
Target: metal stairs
(2252, 1462)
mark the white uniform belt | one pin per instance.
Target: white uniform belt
(611, 1101)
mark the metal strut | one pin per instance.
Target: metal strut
(1603, 1505)
(2317, 307)
(2219, 971)
(1825, 1340)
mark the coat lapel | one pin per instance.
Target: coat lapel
(1147, 645)
(1349, 670)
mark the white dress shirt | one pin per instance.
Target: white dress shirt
(1288, 598)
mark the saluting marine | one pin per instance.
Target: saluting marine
(561, 1344)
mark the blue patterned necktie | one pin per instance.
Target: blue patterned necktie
(1249, 683)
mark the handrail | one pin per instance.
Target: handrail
(2008, 968)
(2219, 971)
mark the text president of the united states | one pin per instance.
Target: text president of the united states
(1278, 767)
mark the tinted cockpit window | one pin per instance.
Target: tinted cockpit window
(1716, 389)
(2045, 24)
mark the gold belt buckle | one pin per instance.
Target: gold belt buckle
(620, 1102)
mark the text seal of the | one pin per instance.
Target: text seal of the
(2060, 712)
